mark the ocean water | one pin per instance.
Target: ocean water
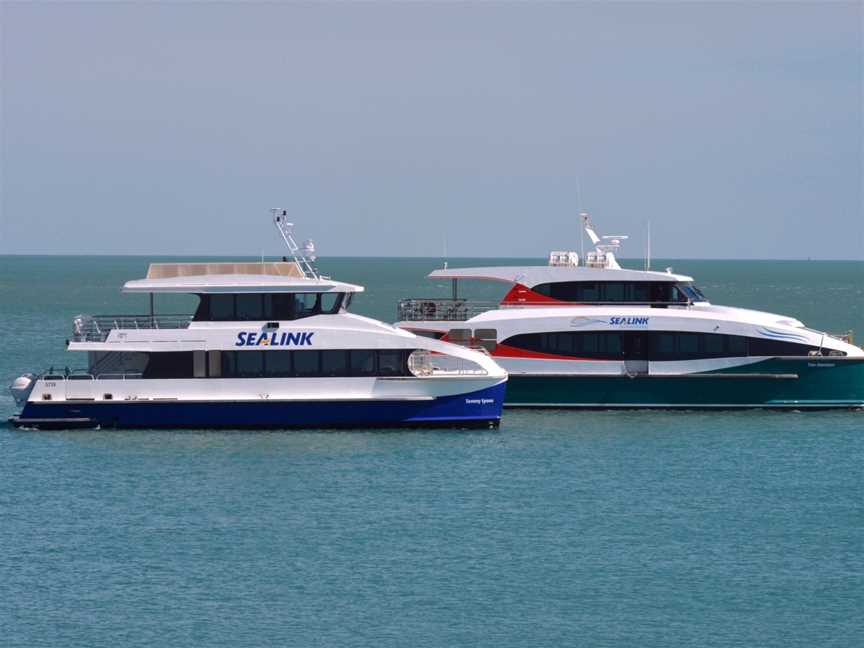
(561, 528)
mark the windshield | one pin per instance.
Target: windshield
(692, 292)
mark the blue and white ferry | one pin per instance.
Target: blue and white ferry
(271, 344)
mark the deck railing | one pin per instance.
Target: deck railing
(441, 310)
(95, 328)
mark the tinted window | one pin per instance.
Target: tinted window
(736, 345)
(653, 345)
(267, 307)
(665, 344)
(714, 344)
(615, 292)
(307, 304)
(362, 362)
(610, 291)
(306, 363)
(602, 344)
(590, 343)
(278, 363)
(392, 363)
(221, 307)
(169, 364)
(330, 302)
(282, 306)
(688, 343)
(590, 292)
(762, 347)
(334, 363)
(250, 364)
(640, 291)
(250, 307)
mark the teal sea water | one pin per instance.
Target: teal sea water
(560, 529)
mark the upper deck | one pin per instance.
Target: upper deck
(531, 276)
(234, 277)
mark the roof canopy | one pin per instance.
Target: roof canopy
(266, 277)
(531, 276)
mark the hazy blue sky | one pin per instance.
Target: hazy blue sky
(736, 128)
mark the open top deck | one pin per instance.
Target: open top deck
(234, 277)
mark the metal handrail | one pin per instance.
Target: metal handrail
(129, 375)
(434, 309)
(95, 328)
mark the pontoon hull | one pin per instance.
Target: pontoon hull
(480, 408)
(779, 383)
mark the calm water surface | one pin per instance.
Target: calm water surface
(562, 528)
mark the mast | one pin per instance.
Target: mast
(286, 229)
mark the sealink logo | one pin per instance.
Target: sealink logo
(275, 338)
(578, 322)
(628, 321)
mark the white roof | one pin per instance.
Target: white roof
(232, 278)
(533, 275)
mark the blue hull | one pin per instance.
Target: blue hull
(475, 409)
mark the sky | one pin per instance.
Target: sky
(425, 129)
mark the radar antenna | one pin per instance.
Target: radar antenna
(304, 260)
(604, 247)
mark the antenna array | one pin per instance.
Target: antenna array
(286, 229)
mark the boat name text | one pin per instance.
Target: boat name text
(253, 338)
(628, 321)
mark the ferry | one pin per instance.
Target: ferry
(584, 332)
(270, 345)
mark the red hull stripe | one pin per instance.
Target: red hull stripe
(521, 295)
(507, 351)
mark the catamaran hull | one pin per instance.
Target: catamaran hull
(818, 383)
(481, 408)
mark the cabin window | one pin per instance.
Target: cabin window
(334, 363)
(391, 363)
(653, 345)
(362, 362)
(736, 345)
(590, 292)
(250, 307)
(308, 304)
(714, 344)
(640, 292)
(665, 344)
(259, 307)
(169, 364)
(615, 292)
(250, 365)
(688, 344)
(306, 363)
(762, 347)
(221, 307)
(278, 363)
(330, 302)
(590, 343)
(281, 307)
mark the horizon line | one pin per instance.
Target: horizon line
(368, 256)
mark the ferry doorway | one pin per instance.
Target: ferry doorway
(635, 347)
